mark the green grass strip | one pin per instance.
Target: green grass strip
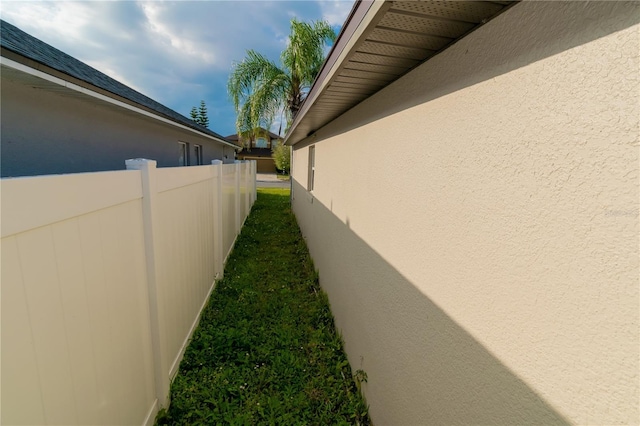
(266, 350)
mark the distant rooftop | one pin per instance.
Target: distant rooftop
(234, 137)
(17, 41)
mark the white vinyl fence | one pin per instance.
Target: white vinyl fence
(104, 276)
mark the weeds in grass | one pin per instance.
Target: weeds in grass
(266, 350)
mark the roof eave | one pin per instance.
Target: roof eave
(103, 96)
(360, 18)
(382, 42)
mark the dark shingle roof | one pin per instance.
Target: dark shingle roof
(16, 40)
(256, 152)
(272, 135)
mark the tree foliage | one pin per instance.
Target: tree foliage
(261, 89)
(200, 115)
(203, 114)
(281, 155)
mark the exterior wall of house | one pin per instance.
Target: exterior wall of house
(475, 224)
(48, 133)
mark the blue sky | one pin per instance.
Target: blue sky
(176, 52)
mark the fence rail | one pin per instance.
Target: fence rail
(104, 276)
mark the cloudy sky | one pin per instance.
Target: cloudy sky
(176, 52)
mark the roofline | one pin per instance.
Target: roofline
(91, 93)
(326, 103)
(272, 135)
(361, 15)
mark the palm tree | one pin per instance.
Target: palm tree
(260, 89)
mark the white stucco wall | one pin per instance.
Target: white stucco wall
(475, 225)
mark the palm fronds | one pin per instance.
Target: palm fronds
(261, 90)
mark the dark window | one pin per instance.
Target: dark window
(312, 167)
(183, 156)
(197, 150)
(261, 143)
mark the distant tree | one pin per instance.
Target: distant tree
(202, 114)
(199, 115)
(281, 155)
(261, 89)
(194, 114)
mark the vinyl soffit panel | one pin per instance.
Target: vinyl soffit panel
(384, 69)
(370, 75)
(331, 103)
(397, 51)
(337, 95)
(350, 93)
(468, 11)
(352, 88)
(340, 86)
(384, 60)
(361, 80)
(409, 39)
(401, 36)
(425, 25)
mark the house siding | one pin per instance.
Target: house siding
(49, 133)
(475, 224)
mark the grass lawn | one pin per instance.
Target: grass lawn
(266, 350)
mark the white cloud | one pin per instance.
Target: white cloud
(48, 20)
(336, 11)
(174, 52)
(159, 23)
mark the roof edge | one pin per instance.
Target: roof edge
(4, 61)
(363, 11)
(23, 48)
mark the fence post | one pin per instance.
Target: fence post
(247, 185)
(218, 232)
(237, 198)
(254, 169)
(149, 219)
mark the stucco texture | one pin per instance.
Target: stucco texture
(45, 132)
(475, 225)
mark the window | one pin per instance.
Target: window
(197, 151)
(261, 143)
(183, 156)
(312, 167)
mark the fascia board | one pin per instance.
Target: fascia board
(372, 7)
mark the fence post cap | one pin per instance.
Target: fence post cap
(140, 163)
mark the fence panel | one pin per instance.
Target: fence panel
(185, 253)
(75, 324)
(228, 207)
(244, 189)
(104, 277)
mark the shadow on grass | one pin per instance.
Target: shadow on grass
(266, 350)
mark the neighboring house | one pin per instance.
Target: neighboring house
(466, 177)
(259, 149)
(60, 115)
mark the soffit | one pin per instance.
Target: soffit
(400, 35)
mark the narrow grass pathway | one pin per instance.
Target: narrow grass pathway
(266, 351)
